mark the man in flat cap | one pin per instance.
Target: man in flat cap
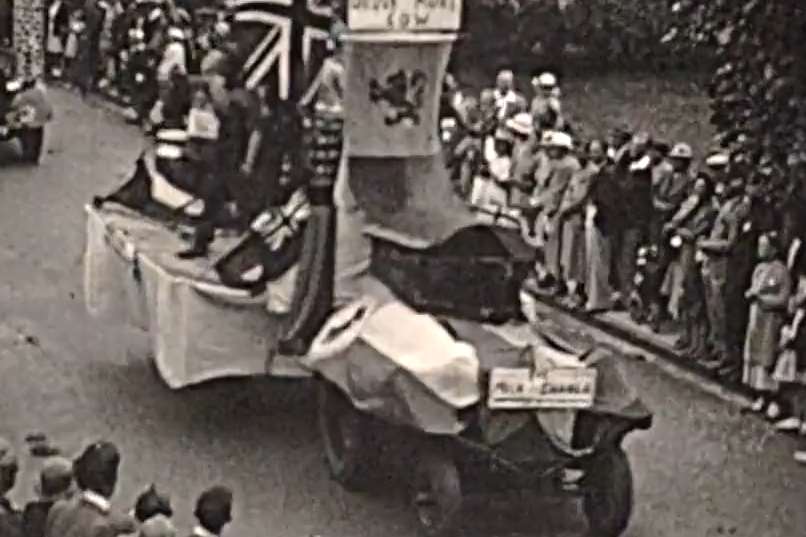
(90, 513)
(55, 484)
(10, 517)
(213, 511)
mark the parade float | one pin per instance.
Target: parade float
(24, 107)
(375, 279)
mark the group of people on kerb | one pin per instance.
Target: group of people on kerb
(626, 221)
(127, 49)
(74, 499)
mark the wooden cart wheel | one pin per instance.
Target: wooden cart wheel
(608, 499)
(344, 436)
(438, 494)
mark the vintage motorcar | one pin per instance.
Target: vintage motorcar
(24, 110)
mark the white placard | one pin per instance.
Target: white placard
(519, 388)
(404, 15)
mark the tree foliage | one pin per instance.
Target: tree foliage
(577, 34)
(757, 88)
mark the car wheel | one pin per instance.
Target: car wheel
(608, 498)
(346, 437)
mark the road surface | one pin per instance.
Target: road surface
(704, 469)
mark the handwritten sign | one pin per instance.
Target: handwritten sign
(563, 388)
(404, 15)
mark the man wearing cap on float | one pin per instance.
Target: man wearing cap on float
(90, 512)
(10, 517)
(634, 174)
(507, 101)
(556, 166)
(716, 252)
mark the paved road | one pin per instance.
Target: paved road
(703, 470)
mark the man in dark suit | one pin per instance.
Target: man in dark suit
(10, 517)
(90, 513)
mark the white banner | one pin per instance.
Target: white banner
(404, 15)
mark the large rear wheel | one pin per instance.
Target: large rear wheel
(32, 142)
(608, 498)
(346, 437)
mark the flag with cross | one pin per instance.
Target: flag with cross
(282, 43)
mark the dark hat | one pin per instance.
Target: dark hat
(214, 505)
(99, 461)
(151, 503)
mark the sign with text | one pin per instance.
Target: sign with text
(404, 15)
(520, 388)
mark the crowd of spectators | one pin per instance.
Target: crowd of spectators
(129, 49)
(629, 222)
(73, 499)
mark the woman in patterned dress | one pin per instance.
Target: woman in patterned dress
(769, 295)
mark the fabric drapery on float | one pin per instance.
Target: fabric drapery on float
(403, 239)
(392, 93)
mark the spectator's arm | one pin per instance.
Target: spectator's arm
(252, 149)
(723, 246)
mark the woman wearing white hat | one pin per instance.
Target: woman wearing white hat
(523, 159)
(555, 168)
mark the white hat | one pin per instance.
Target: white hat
(546, 80)
(222, 28)
(558, 139)
(521, 124)
(172, 135)
(717, 160)
(176, 33)
(681, 150)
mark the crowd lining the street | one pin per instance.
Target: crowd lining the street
(629, 222)
(73, 499)
(623, 221)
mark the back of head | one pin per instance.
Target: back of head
(96, 469)
(151, 503)
(214, 508)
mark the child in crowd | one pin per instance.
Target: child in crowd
(768, 295)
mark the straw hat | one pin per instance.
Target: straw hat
(681, 151)
(521, 124)
(545, 80)
(558, 139)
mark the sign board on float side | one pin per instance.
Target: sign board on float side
(404, 15)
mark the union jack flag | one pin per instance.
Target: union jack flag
(284, 39)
